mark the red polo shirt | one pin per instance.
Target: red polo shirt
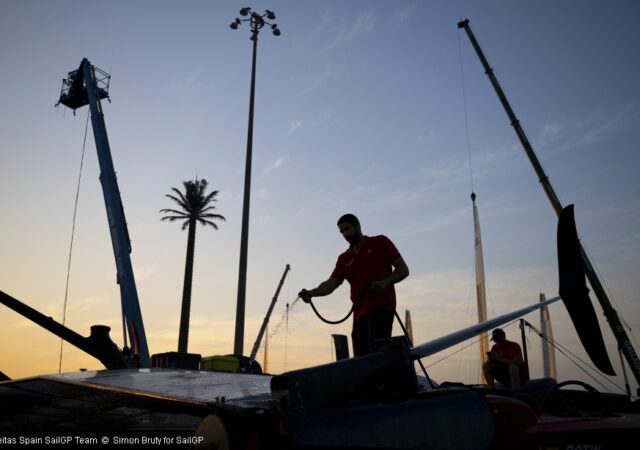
(371, 264)
(508, 350)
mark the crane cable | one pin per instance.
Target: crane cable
(466, 115)
(73, 229)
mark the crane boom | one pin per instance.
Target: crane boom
(624, 344)
(256, 346)
(82, 87)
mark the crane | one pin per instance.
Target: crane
(88, 85)
(256, 345)
(624, 343)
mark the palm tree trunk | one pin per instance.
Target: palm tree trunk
(183, 337)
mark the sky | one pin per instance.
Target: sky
(378, 108)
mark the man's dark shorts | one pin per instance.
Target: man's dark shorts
(501, 374)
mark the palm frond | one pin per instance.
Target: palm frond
(212, 216)
(195, 204)
(180, 200)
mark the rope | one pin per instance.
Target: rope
(471, 343)
(73, 229)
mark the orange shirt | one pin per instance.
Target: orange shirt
(508, 350)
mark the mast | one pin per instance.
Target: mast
(481, 295)
(624, 344)
(407, 324)
(81, 88)
(548, 352)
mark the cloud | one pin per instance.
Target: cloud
(275, 165)
(90, 303)
(195, 75)
(330, 71)
(551, 130)
(426, 137)
(403, 14)
(225, 194)
(599, 131)
(264, 219)
(326, 20)
(294, 125)
(262, 192)
(563, 136)
(144, 272)
(362, 25)
(322, 118)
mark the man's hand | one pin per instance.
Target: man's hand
(379, 286)
(304, 295)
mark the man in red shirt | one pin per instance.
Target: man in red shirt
(505, 363)
(371, 265)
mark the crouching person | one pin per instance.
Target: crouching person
(505, 363)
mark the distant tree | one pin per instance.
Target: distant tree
(195, 207)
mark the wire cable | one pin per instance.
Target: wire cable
(466, 116)
(73, 230)
(563, 350)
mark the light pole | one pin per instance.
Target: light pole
(256, 22)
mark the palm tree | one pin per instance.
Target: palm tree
(195, 208)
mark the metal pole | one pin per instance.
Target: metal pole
(624, 344)
(524, 346)
(238, 343)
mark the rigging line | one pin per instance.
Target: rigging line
(562, 349)
(610, 295)
(473, 342)
(466, 116)
(587, 373)
(73, 230)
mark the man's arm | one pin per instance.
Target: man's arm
(399, 273)
(324, 288)
(516, 360)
